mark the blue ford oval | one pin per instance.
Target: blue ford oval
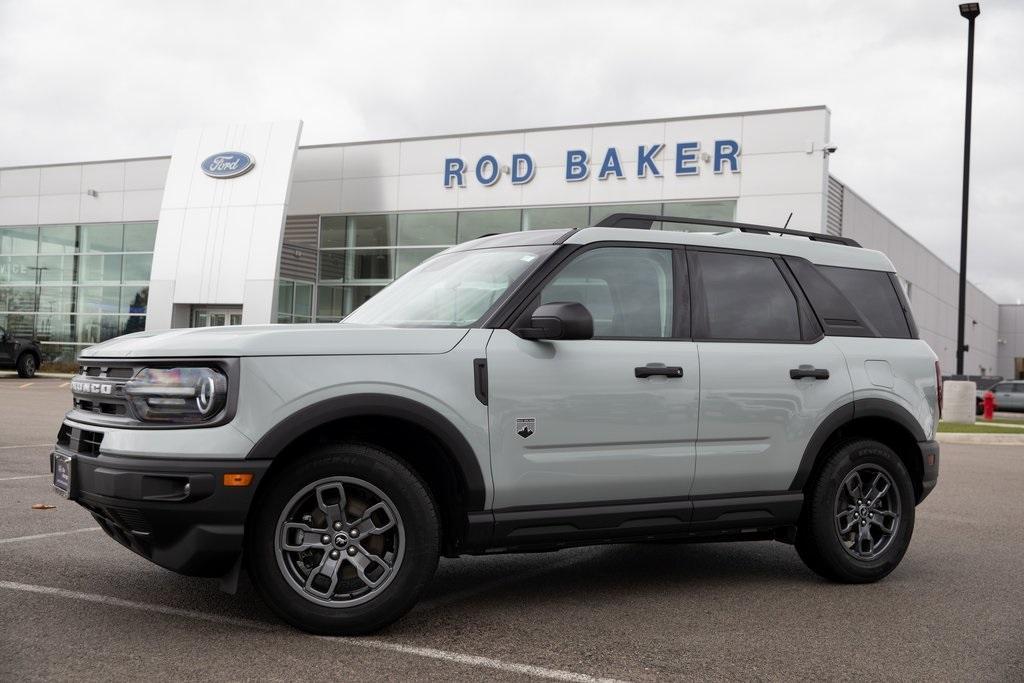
(227, 164)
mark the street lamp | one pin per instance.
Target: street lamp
(970, 12)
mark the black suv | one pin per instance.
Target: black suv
(21, 354)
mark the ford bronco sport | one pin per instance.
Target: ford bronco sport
(521, 392)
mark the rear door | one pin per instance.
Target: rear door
(578, 422)
(768, 375)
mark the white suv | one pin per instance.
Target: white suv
(523, 391)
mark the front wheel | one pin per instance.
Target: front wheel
(344, 541)
(27, 365)
(858, 515)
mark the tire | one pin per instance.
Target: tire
(27, 365)
(402, 532)
(979, 408)
(831, 507)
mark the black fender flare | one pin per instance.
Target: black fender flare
(846, 413)
(379, 405)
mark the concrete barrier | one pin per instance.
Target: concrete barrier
(958, 401)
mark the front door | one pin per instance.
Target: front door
(574, 422)
(768, 376)
(216, 317)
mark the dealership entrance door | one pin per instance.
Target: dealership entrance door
(216, 317)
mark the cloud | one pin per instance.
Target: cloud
(102, 79)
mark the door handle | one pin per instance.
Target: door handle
(808, 371)
(645, 371)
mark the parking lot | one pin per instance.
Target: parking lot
(74, 603)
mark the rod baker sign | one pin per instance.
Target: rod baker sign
(686, 159)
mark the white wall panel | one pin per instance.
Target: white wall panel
(17, 182)
(369, 194)
(19, 210)
(419, 192)
(105, 177)
(774, 209)
(315, 196)
(61, 208)
(141, 205)
(789, 131)
(789, 173)
(318, 163)
(61, 179)
(146, 174)
(106, 206)
(370, 160)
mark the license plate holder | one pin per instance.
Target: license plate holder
(63, 466)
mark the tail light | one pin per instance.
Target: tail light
(938, 386)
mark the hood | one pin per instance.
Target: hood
(324, 339)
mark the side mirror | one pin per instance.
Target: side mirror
(562, 320)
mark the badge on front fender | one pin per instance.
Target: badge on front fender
(526, 426)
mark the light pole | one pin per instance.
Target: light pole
(970, 12)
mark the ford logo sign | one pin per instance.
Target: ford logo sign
(227, 164)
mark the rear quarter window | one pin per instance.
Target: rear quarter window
(874, 297)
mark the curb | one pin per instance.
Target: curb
(981, 439)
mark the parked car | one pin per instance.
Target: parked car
(1009, 396)
(19, 353)
(522, 392)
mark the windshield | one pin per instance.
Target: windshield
(449, 290)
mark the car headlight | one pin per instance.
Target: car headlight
(182, 395)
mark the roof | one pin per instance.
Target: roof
(822, 253)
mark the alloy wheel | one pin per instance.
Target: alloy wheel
(339, 542)
(867, 511)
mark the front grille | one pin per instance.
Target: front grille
(100, 389)
(81, 441)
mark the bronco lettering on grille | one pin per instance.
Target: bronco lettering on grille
(91, 387)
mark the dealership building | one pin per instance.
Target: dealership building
(242, 224)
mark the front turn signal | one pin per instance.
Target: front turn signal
(237, 478)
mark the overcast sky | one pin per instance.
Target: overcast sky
(97, 80)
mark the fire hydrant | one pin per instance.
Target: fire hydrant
(988, 405)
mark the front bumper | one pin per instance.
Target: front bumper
(175, 512)
(929, 467)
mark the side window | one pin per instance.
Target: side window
(874, 296)
(1002, 388)
(628, 290)
(744, 298)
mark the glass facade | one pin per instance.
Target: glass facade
(294, 301)
(359, 255)
(70, 286)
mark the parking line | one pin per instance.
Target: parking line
(473, 660)
(118, 602)
(26, 445)
(34, 537)
(26, 384)
(426, 652)
(25, 476)
(64, 385)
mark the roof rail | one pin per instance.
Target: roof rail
(643, 221)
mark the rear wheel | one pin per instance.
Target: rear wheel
(27, 365)
(344, 542)
(859, 514)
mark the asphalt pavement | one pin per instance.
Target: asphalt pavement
(73, 603)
